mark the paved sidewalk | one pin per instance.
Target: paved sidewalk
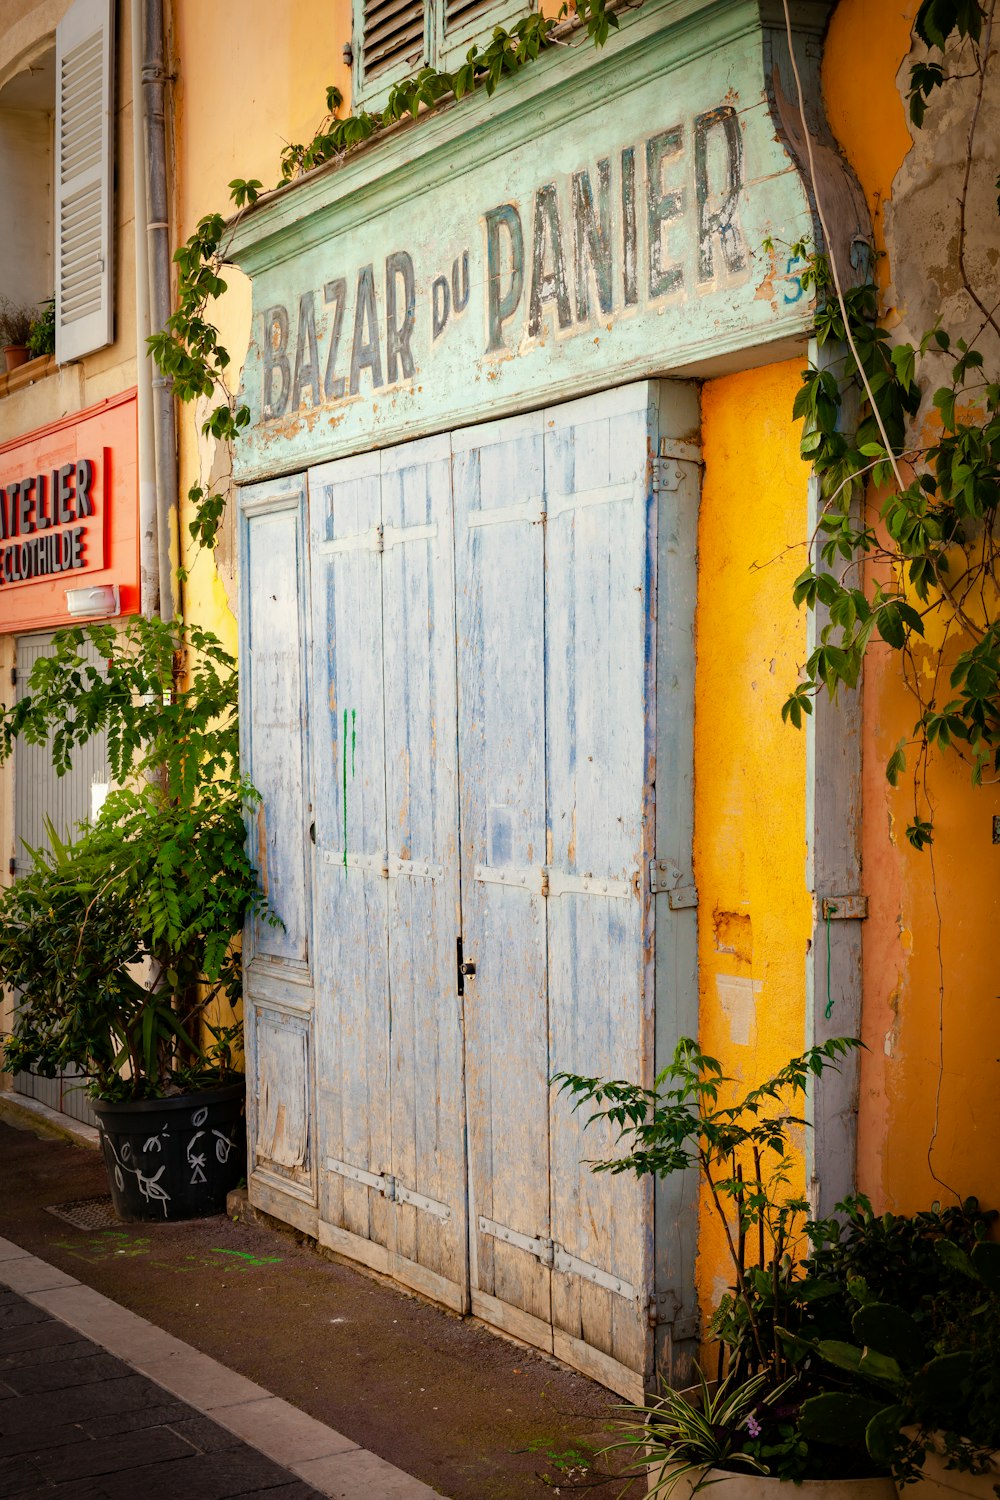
(98, 1404)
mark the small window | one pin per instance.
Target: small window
(395, 38)
(56, 180)
(27, 113)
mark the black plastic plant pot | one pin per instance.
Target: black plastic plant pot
(174, 1158)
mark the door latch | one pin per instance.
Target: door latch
(466, 968)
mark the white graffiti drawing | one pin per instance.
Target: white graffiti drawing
(149, 1187)
(200, 1115)
(196, 1161)
(223, 1146)
(152, 1143)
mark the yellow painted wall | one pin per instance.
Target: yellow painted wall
(930, 1108)
(250, 79)
(750, 769)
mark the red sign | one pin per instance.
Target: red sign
(69, 514)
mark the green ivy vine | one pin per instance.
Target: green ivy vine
(188, 351)
(918, 568)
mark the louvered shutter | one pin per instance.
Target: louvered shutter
(393, 36)
(84, 178)
(458, 12)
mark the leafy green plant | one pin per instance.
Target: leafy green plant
(918, 570)
(42, 333)
(939, 1374)
(741, 1154)
(711, 1427)
(164, 867)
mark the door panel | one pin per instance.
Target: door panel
(348, 775)
(499, 488)
(598, 583)
(274, 698)
(421, 773)
(385, 777)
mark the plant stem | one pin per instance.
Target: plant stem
(706, 1168)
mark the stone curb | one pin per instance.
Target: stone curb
(32, 1114)
(315, 1453)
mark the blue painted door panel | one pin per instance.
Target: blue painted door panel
(599, 611)
(348, 776)
(499, 484)
(385, 789)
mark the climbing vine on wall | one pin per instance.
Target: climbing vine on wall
(918, 569)
(188, 349)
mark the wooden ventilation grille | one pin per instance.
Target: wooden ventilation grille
(81, 152)
(457, 12)
(394, 33)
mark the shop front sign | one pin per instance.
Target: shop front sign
(68, 514)
(618, 223)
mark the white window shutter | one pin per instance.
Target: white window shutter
(84, 179)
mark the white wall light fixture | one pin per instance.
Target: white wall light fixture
(99, 602)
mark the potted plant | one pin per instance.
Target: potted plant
(15, 326)
(42, 333)
(123, 942)
(925, 1376)
(743, 1434)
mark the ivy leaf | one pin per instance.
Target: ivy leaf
(896, 764)
(904, 363)
(944, 400)
(920, 833)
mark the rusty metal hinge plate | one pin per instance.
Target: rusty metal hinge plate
(853, 908)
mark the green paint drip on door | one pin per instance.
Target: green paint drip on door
(345, 790)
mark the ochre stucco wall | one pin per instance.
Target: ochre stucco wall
(754, 912)
(247, 84)
(929, 1108)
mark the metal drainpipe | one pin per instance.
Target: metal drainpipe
(154, 78)
(149, 569)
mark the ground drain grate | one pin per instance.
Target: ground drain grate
(87, 1213)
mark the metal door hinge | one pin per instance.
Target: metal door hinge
(665, 879)
(665, 1311)
(557, 1258)
(13, 677)
(12, 866)
(389, 1186)
(667, 475)
(844, 908)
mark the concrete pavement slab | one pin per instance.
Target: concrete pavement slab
(281, 1431)
(361, 1475)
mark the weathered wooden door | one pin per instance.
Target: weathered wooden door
(483, 761)
(555, 577)
(389, 1026)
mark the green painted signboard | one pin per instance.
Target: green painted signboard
(601, 218)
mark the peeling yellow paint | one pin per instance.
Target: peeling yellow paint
(750, 769)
